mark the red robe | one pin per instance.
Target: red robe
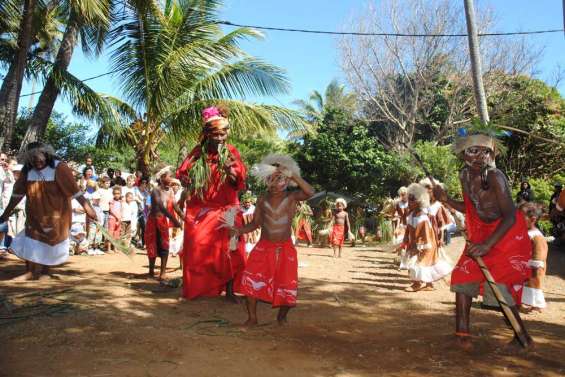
(507, 260)
(208, 262)
(271, 274)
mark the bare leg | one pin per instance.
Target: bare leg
(251, 303)
(163, 269)
(335, 250)
(339, 248)
(281, 317)
(462, 314)
(29, 273)
(152, 267)
(230, 296)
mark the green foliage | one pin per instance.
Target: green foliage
(253, 149)
(442, 164)
(74, 141)
(542, 188)
(545, 226)
(342, 157)
(534, 108)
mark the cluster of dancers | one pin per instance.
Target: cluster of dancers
(216, 230)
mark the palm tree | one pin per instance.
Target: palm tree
(87, 21)
(173, 60)
(12, 84)
(334, 97)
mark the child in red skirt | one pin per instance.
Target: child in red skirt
(271, 273)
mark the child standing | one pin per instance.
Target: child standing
(115, 216)
(271, 273)
(532, 295)
(129, 217)
(105, 198)
(159, 221)
(93, 234)
(425, 264)
(340, 226)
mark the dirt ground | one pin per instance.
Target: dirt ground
(98, 317)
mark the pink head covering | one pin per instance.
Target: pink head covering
(213, 120)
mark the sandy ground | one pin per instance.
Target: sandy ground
(98, 317)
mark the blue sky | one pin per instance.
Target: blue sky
(312, 61)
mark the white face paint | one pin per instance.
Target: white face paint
(277, 182)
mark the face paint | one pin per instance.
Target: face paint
(277, 182)
(478, 157)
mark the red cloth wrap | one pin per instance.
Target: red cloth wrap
(337, 235)
(507, 261)
(207, 261)
(156, 225)
(304, 231)
(271, 274)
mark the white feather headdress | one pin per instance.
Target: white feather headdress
(271, 162)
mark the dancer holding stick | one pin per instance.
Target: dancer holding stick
(498, 249)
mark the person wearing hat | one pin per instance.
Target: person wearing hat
(214, 173)
(496, 231)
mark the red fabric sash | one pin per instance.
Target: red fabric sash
(337, 236)
(271, 274)
(507, 260)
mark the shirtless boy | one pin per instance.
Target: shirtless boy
(271, 273)
(158, 222)
(341, 226)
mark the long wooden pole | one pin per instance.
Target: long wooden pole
(475, 53)
(481, 101)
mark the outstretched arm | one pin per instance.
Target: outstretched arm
(254, 224)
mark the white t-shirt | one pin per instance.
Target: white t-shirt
(106, 197)
(78, 217)
(129, 211)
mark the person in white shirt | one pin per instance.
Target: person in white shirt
(106, 197)
(129, 218)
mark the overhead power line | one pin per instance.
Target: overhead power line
(87, 79)
(353, 33)
(310, 31)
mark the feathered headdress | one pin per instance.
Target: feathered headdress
(420, 194)
(165, 170)
(269, 165)
(480, 134)
(342, 201)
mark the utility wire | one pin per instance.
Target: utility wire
(87, 79)
(309, 31)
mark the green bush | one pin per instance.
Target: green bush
(545, 226)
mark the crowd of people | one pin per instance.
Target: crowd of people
(51, 209)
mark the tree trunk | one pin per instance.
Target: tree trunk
(50, 91)
(12, 85)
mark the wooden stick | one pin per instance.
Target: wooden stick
(508, 313)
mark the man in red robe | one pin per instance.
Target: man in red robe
(496, 231)
(210, 260)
